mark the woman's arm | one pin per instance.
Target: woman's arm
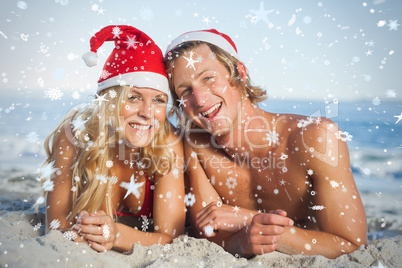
(168, 213)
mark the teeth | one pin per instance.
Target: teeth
(140, 127)
(213, 108)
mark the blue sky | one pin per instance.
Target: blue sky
(349, 50)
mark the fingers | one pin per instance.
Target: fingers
(89, 229)
(95, 219)
(279, 212)
(272, 219)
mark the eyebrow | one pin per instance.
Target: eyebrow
(136, 91)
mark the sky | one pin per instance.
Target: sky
(308, 50)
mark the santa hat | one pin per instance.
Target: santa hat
(211, 36)
(136, 60)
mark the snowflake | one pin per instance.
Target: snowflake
(53, 94)
(22, 5)
(292, 20)
(40, 200)
(284, 169)
(307, 246)
(344, 136)
(231, 182)
(106, 231)
(48, 185)
(55, 224)
(101, 178)
(276, 191)
(381, 23)
(236, 209)
(302, 123)
(211, 56)
(283, 156)
(209, 230)
(317, 207)
(272, 137)
(334, 184)
(104, 74)
(32, 137)
(145, 223)
(393, 25)
(292, 230)
(37, 226)
(114, 179)
(182, 102)
(112, 93)
(156, 122)
(70, 235)
(190, 61)
(116, 32)
(376, 101)
(46, 172)
(260, 14)
(76, 95)
(109, 163)
(189, 199)
(310, 172)
(390, 93)
(131, 42)
(79, 124)
(132, 187)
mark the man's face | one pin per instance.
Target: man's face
(202, 85)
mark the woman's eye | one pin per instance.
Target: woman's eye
(134, 98)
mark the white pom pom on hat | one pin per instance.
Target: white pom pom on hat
(90, 58)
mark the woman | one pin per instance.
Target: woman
(115, 163)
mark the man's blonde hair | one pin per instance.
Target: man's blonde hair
(253, 93)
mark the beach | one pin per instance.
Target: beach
(24, 244)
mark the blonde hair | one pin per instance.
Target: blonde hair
(253, 93)
(92, 150)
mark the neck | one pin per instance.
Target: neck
(248, 132)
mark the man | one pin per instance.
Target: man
(258, 181)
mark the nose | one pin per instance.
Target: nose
(200, 95)
(145, 110)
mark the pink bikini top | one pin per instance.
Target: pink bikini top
(147, 206)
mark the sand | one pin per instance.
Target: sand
(23, 243)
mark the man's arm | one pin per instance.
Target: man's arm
(339, 211)
(222, 224)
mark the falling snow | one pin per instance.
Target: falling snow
(53, 94)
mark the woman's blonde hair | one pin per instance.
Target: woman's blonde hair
(253, 93)
(102, 132)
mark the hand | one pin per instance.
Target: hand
(217, 216)
(266, 230)
(99, 229)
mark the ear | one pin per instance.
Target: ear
(242, 70)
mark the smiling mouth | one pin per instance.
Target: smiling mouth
(140, 127)
(211, 112)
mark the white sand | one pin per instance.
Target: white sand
(23, 245)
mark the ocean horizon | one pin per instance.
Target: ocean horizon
(375, 145)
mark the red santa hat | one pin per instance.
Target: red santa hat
(211, 36)
(136, 60)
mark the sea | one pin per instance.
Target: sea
(374, 135)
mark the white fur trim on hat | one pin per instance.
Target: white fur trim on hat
(137, 79)
(208, 37)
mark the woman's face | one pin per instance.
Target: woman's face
(143, 114)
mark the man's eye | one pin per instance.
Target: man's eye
(159, 100)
